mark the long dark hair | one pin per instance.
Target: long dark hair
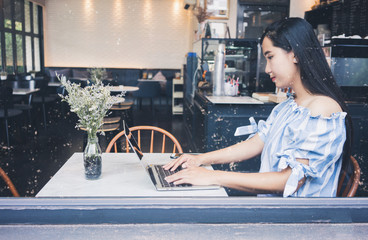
(297, 35)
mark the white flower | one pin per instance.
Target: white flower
(90, 103)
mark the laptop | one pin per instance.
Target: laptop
(156, 172)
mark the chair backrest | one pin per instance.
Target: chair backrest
(83, 83)
(42, 84)
(6, 98)
(148, 89)
(22, 84)
(349, 182)
(8, 182)
(145, 136)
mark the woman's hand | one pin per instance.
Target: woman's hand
(185, 160)
(194, 176)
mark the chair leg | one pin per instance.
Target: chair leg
(29, 110)
(44, 114)
(30, 117)
(140, 103)
(130, 116)
(7, 132)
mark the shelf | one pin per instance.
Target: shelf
(178, 81)
(227, 70)
(177, 96)
(178, 109)
(235, 56)
(241, 60)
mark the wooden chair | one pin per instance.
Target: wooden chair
(110, 129)
(348, 183)
(8, 182)
(146, 134)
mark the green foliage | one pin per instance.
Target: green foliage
(97, 74)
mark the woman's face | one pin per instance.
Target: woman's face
(281, 65)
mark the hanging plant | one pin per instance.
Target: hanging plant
(201, 14)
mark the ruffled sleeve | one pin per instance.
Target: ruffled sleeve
(264, 127)
(318, 139)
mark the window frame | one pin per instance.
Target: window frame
(23, 34)
(185, 210)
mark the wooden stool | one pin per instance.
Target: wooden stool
(122, 106)
(125, 109)
(108, 120)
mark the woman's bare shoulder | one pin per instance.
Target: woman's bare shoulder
(324, 106)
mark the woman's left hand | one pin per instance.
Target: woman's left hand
(194, 176)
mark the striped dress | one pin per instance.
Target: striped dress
(290, 132)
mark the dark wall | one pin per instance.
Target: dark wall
(123, 76)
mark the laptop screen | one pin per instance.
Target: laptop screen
(132, 142)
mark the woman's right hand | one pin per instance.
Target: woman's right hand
(185, 160)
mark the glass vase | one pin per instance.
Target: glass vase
(92, 157)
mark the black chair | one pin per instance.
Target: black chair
(149, 90)
(12, 77)
(83, 83)
(43, 96)
(23, 103)
(111, 82)
(6, 110)
(62, 91)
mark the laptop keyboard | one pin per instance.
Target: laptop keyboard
(162, 173)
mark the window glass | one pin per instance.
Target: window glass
(37, 62)
(27, 16)
(35, 18)
(9, 52)
(7, 14)
(19, 45)
(29, 62)
(18, 15)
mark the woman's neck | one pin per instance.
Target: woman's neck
(302, 96)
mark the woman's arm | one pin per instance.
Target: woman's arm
(235, 153)
(269, 182)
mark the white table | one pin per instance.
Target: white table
(54, 84)
(122, 175)
(24, 91)
(123, 88)
(152, 80)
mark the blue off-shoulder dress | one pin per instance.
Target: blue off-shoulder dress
(290, 132)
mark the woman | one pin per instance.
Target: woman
(304, 140)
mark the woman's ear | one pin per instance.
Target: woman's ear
(294, 58)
